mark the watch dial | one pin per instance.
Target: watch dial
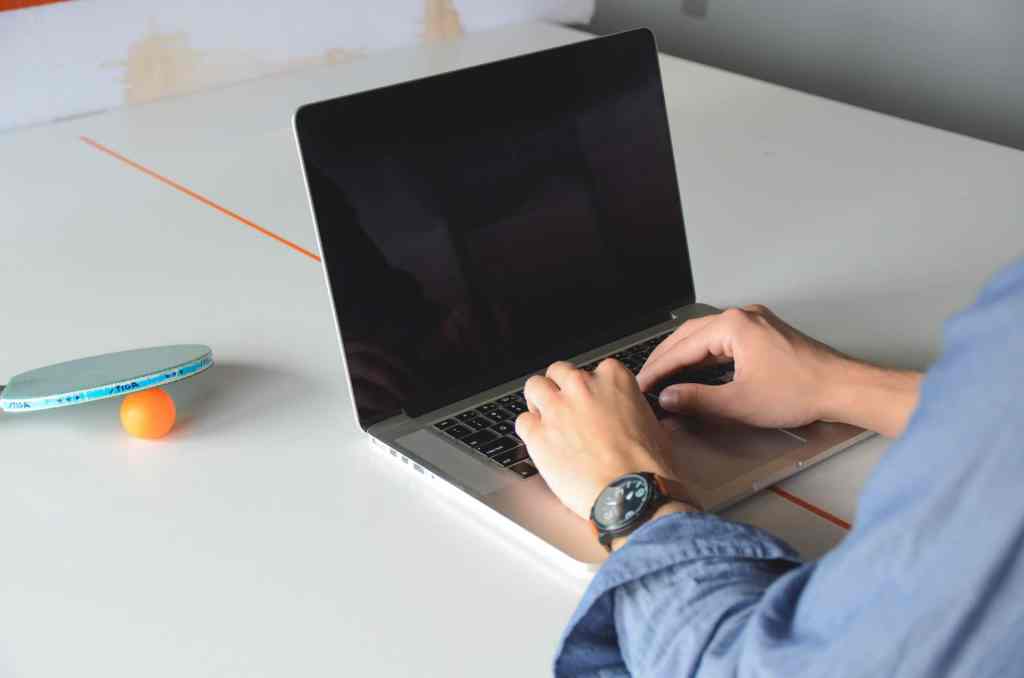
(621, 501)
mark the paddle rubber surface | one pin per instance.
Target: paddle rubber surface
(103, 376)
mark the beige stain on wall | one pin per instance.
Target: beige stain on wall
(441, 21)
(161, 64)
(165, 64)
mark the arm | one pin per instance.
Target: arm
(872, 397)
(678, 581)
(927, 583)
(689, 591)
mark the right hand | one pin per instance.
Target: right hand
(782, 378)
(586, 429)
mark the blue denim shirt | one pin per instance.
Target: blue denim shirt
(929, 582)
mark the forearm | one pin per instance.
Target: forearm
(873, 397)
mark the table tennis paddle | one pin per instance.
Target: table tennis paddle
(103, 376)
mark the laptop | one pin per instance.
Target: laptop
(478, 225)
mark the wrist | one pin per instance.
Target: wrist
(871, 397)
(663, 510)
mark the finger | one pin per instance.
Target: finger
(759, 309)
(712, 341)
(610, 367)
(526, 426)
(567, 376)
(539, 393)
(680, 333)
(724, 401)
(558, 370)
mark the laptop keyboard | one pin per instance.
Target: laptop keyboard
(489, 429)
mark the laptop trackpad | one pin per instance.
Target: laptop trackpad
(477, 475)
(711, 452)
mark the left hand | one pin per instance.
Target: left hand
(584, 430)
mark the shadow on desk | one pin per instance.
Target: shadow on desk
(232, 394)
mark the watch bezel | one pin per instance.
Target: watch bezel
(651, 495)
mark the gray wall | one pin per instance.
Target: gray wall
(958, 65)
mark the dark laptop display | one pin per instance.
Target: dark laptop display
(479, 224)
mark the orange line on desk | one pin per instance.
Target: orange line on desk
(203, 199)
(820, 512)
(24, 4)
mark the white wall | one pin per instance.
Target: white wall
(947, 63)
(72, 58)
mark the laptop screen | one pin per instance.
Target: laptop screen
(479, 224)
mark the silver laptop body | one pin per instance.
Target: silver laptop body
(470, 223)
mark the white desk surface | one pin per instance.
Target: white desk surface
(265, 537)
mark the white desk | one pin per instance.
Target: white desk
(264, 537)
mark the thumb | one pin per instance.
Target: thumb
(720, 400)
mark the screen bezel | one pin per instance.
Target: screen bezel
(614, 329)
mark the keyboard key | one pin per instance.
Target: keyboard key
(447, 423)
(724, 373)
(500, 415)
(713, 375)
(458, 431)
(503, 428)
(510, 457)
(500, 445)
(479, 423)
(465, 415)
(516, 408)
(487, 407)
(507, 399)
(524, 468)
(480, 438)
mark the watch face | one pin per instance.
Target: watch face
(621, 501)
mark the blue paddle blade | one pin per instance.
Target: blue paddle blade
(103, 376)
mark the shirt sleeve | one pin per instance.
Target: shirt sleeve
(685, 585)
(928, 582)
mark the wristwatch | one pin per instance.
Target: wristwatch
(626, 504)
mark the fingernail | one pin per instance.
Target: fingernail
(668, 398)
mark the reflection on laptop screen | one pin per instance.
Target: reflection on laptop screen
(478, 224)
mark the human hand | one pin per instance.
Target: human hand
(584, 430)
(782, 378)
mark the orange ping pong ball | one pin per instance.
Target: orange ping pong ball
(148, 414)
